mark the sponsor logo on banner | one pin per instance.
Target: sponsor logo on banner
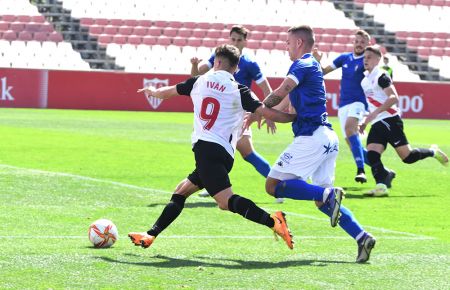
(156, 83)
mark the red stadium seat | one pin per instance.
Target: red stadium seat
(130, 22)
(86, 21)
(423, 51)
(437, 51)
(134, 39)
(125, 30)
(40, 36)
(199, 33)
(111, 30)
(209, 42)
(25, 36)
(23, 18)
(101, 21)
(223, 41)
(163, 40)
(46, 27)
(442, 35)
(327, 38)
(154, 31)
(277, 29)
(55, 37)
(413, 42)
(262, 28)
(337, 47)
(185, 32)
(280, 45)
(149, 40)
(38, 19)
(266, 44)
(217, 26)
(257, 35)
(331, 31)
(402, 35)
(175, 24)
(104, 39)
(415, 34)
(170, 32)
(95, 29)
(160, 23)
(439, 3)
(140, 30)
(190, 25)
(212, 33)
(437, 42)
(4, 26)
(323, 47)
(253, 43)
(119, 39)
(271, 36)
(17, 26)
(203, 25)
(192, 41)
(341, 39)
(179, 41)
(116, 22)
(10, 35)
(225, 33)
(144, 23)
(8, 18)
(425, 42)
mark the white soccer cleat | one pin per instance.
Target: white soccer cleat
(204, 194)
(279, 200)
(379, 191)
(439, 155)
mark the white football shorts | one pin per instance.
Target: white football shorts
(355, 110)
(309, 157)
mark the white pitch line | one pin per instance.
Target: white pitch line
(126, 185)
(225, 237)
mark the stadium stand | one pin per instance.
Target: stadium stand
(144, 36)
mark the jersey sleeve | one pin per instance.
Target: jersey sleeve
(338, 62)
(384, 81)
(249, 103)
(255, 72)
(185, 87)
(296, 72)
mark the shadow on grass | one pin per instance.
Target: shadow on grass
(170, 262)
(361, 196)
(188, 204)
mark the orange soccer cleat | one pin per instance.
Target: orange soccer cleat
(281, 228)
(141, 239)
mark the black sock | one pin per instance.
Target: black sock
(418, 154)
(249, 210)
(168, 215)
(378, 170)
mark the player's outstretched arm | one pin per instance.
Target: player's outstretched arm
(198, 67)
(160, 93)
(318, 57)
(275, 115)
(275, 97)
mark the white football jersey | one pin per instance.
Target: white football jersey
(220, 104)
(375, 94)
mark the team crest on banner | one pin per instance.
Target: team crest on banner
(157, 83)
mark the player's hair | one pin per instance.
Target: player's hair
(239, 29)
(363, 33)
(305, 32)
(374, 49)
(228, 52)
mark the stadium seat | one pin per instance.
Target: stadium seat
(134, 39)
(149, 40)
(25, 36)
(10, 35)
(110, 30)
(179, 41)
(140, 30)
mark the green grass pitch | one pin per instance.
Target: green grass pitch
(61, 170)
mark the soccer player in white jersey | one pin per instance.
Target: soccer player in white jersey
(248, 71)
(387, 126)
(220, 104)
(314, 150)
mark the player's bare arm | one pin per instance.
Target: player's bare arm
(160, 93)
(275, 115)
(265, 87)
(275, 97)
(198, 67)
(318, 56)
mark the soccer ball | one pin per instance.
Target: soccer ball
(103, 233)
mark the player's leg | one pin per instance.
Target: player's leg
(170, 212)
(355, 113)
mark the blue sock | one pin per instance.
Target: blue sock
(347, 221)
(366, 158)
(298, 189)
(357, 150)
(261, 165)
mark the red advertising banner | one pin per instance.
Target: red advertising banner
(21, 88)
(117, 91)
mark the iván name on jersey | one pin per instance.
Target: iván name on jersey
(215, 86)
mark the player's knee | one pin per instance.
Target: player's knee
(270, 188)
(223, 206)
(374, 157)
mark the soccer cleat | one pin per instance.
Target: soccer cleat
(389, 177)
(334, 200)
(281, 228)
(204, 194)
(380, 190)
(364, 249)
(361, 176)
(279, 200)
(439, 155)
(141, 239)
